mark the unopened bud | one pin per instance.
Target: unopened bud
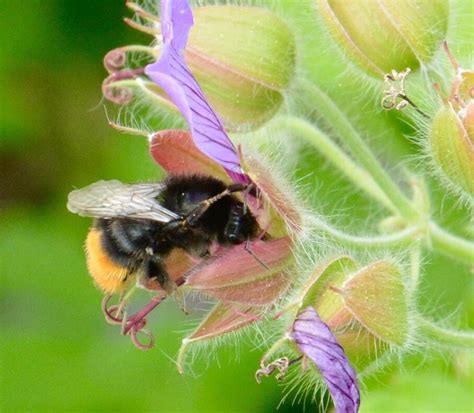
(376, 297)
(380, 36)
(366, 308)
(451, 137)
(452, 146)
(243, 57)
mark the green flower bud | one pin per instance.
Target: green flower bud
(385, 35)
(366, 308)
(468, 121)
(243, 58)
(451, 137)
(451, 141)
(376, 297)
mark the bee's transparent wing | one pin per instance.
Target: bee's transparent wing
(108, 199)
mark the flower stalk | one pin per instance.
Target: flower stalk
(373, 178)
(444, 336)
(333, 153)
(450, 244)
(348, 135)
(401, 238)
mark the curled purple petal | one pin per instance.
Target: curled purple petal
(314, 339)
(174, 77)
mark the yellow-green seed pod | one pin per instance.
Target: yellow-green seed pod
(366, 308)
(376, 297)
(243, 58)
(384, 35)
(451, 143)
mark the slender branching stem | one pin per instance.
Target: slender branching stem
(415, 267)
(358, 146)
(405, 237)
(323, 144)
(372, 178)
(277, 346)
(451, 245)
(445, 336)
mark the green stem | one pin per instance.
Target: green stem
(338, 121)
(442, 240)
(333, 153)
(451, 244)
(276, 346)
(445, 336)
(405, 237)
(415, 267)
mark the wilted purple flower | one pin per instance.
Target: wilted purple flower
(314, 339)
(174, 77)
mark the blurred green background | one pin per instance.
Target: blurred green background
(57, 353)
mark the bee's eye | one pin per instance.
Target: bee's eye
(182, 199)
(189, 199)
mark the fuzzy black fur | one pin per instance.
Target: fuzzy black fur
(136, 243)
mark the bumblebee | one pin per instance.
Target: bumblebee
(137, 226)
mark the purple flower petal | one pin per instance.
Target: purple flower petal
(314, 338)
(174, 77)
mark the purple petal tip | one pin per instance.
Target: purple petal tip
(174, 77)
(314, 338)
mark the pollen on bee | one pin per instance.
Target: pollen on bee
(108, 275)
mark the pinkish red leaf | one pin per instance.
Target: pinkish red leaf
(281, 207)
(237, 275)
(223, 318)
(176, 153)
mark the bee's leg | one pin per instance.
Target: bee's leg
(241, 225)
(203, 206)
(191, 219)
(154, 268)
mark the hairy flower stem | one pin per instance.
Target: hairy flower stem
(376, 182)
(401, 238)
(341, 125)
(333, 153)
(451, 244)
(445, 336)
(276, 346)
